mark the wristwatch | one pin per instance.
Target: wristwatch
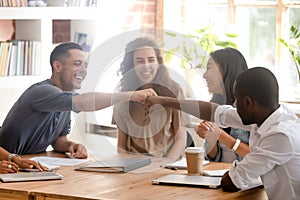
(11, 156)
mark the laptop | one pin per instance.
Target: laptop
(188, 180)
(30, 176)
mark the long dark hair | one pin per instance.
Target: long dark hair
(231, 63)
(130, 81)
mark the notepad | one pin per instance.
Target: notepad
(187, 180)
(30, 176)
(115, 164)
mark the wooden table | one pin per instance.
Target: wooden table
(81, 185)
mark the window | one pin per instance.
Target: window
(258, 24)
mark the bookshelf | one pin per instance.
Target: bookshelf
(36, 24)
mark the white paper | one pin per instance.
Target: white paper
(181, 164)
(58, 161)
(218, 173)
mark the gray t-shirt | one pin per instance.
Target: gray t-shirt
(39, 116)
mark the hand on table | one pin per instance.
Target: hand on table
(30, 164)
(77, 151)
(8, 167)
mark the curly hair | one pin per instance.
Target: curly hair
(162, 83)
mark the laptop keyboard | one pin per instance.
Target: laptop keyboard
(30, 176)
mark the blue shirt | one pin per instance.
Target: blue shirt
(39, 116)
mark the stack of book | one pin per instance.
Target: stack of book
(43, 3)
(13, 3)
(81, 3)
(20, 57)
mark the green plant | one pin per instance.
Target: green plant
(293, 45)
(196, 46)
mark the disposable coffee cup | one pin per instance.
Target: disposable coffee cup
(194, 160)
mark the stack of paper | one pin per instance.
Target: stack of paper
(53, 163)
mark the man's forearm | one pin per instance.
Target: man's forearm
(97, 100)
(200, 109)
(3, 154)
(61, 144)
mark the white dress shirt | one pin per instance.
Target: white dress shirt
(274, 152)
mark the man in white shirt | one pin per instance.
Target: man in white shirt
(274, 134)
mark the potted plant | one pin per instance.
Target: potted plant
(193, 50)
(293, 45)
(195, 47)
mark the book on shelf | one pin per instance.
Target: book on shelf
(49, 3)
(72, 3)
(13, 3)
(8, 58)
(115, 164)
(81, 3)
(13, 60)
(19, 57)
(3, 57)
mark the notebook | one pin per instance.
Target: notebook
(30, 176)
(115, 164)
(187, 180)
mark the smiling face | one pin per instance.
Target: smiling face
(145, 64)
(70, 72)
(213, 77)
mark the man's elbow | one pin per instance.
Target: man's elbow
(227, 184)
(227, 188)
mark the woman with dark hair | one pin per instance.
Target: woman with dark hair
(162, 131)
(223, 67)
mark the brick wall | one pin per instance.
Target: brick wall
(61, 31)
(142, 13)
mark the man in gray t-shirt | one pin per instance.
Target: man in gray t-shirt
(41, 116)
